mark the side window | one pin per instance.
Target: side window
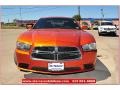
(39, 24)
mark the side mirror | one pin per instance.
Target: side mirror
(29, 26)
(84, 27)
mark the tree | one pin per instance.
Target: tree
(96, 22)
(77, 17)
(85, 23)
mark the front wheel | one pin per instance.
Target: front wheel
(99, 34)
(114, 34)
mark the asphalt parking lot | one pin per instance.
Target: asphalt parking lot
(105, 71)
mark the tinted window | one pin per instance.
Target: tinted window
(65, 23)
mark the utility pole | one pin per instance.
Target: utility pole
(79, 13)
(20, 14)
(8, 20)
(102, 13)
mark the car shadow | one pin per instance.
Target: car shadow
(100, 73)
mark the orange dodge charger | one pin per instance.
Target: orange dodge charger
(55, 45)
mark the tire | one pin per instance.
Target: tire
(114, 34)
(99, 33)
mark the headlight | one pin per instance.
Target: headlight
(89, 47)
(23, 46)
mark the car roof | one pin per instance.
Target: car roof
(57, 17)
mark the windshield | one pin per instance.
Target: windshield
(106, 23)
(64, 23)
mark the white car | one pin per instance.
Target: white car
(106, 27)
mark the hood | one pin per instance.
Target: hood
(56, 37)
(108, 26)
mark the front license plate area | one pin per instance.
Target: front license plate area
(108, 31)
(55, 66)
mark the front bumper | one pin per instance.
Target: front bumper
(86, 63)
(107, 31)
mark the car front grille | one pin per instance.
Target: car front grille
(109, 28)
(55, 53)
